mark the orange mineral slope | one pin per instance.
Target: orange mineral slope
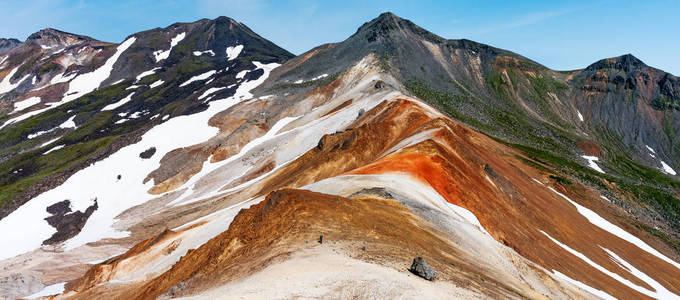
(405, 181)
(475, 172)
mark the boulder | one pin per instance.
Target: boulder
(421, 268)
(148, 153)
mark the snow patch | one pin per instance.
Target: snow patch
(315, 78)
(210, 91)
(242, 74)
(319, 77)
(6, 86)
(650, 149)
(146, 73)
(200, 77)
(69, 123)
(39, 133)
(156, 84)
(54, 149)
(163, 54)
(667, 169)
(199, 53)
(49, 291)
(591, 163)
(583, 286)
(26, 103)
(233, 52)
(120, 103)
(61, 78)
(49, 142)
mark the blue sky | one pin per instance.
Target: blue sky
(562, 36)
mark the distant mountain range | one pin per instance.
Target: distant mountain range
(202, 160)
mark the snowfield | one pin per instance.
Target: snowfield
(99, 181)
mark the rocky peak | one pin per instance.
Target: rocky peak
(8, 44)
(386, 24)
(624, 63)
(50, 37)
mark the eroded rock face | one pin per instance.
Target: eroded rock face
(67, 223)
(422, 269)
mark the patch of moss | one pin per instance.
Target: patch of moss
(35, 165)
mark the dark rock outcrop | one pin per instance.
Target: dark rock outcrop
(60, 208)
(421, 268)
(148, 153)
(67, 223)
(374, 191)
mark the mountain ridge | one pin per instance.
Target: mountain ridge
(167, 164)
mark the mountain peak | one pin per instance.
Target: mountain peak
(626, 62)
(387, 23)
(50, 37)
(225, 19)
(388, 17)
(8, 44)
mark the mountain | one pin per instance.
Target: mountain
(8, 44)
(201, 160)
(558, 119)
(140, 79)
